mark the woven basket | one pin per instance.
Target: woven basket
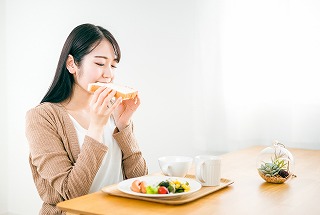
(277, 179)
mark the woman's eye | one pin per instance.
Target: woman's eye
(113, 66)
(100, 64)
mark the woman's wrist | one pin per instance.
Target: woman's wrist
(95, 133)
(123, 126)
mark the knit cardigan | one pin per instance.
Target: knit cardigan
(62, 171)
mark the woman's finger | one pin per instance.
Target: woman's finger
(115, 105)
(105, 94)
(96, 95)
(137, 100)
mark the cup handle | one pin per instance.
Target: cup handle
(166, 170)
(200, 172)
(169, 170)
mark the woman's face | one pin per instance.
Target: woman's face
(97, 66)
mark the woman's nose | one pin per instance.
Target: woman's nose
(108, 72)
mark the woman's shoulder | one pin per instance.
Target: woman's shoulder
(46, 108)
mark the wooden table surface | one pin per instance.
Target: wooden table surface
(249, 194)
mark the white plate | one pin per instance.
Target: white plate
(125, 185)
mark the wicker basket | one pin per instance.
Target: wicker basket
(277, 179)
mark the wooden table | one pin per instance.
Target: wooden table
(249, 194)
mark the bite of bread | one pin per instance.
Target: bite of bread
(122, 91)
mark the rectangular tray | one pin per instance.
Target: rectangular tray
(113, 190)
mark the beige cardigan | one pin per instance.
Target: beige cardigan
(62, 171)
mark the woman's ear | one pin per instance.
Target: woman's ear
(71, 66)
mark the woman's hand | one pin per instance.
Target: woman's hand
(124, 111)
(101, 108)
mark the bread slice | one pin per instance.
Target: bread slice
(122, 91)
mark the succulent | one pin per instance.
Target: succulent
(276, 167)
(269, 169)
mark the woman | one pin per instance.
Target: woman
(81, 141)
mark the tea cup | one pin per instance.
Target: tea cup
(175, 166)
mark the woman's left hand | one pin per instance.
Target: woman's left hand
(123, 113)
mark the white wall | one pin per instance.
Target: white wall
(3, 110)
(209, 123)
(213, 76)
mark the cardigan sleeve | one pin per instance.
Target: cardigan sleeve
(133, 163)
(49, 154)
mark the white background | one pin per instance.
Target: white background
(214, 75)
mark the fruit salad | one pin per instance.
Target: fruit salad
(164, 187)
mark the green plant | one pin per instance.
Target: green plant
(277, 166)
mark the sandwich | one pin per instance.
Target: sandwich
(122, 91)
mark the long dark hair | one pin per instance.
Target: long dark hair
(80, 42)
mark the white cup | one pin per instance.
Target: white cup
(208, 170)
(175, 166)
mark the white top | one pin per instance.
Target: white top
(110, 171)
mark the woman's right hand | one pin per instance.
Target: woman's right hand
(101, 109)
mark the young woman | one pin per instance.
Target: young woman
(81, 141)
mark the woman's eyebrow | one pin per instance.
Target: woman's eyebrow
(104, 57)
(101, 57)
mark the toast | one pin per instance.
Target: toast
(122, 91)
